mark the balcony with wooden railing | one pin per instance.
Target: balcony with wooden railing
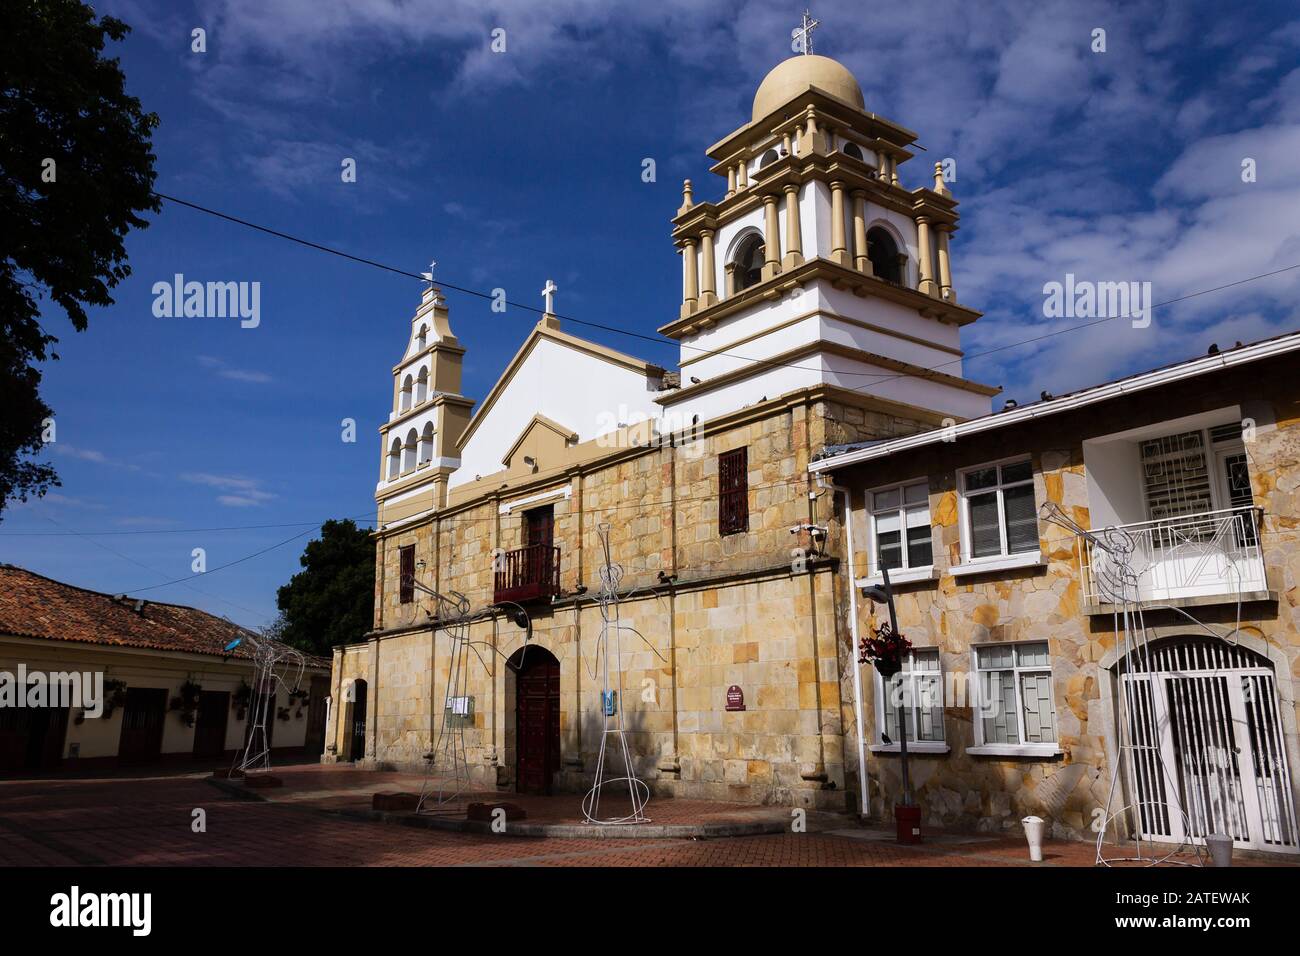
(528, 574)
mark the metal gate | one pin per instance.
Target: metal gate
(1208, 751)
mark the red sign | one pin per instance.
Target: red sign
(735, 698)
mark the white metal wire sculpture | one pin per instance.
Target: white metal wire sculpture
(446, 777)
(1115, 580)
(612, 698)
(275, 665)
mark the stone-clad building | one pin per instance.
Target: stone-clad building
(817, 311)
(817, 297)
(1014, 626)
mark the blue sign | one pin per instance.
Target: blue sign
(609, 699)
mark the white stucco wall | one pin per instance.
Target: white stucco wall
(99, 737)
(579, 391)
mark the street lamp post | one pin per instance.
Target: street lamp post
(907, 815)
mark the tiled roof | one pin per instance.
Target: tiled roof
(32, 605)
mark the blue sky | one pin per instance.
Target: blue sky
(510, 168)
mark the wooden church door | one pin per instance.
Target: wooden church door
(537, 722)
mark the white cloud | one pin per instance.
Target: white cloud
(235, 374)
(56, 498)
(1068, 160)
(238, 491)
(91, 455)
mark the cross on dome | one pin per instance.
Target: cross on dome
(802, 35)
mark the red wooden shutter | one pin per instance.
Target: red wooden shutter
(406, 581)
(733, 491)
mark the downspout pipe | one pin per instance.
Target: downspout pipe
(853, 629)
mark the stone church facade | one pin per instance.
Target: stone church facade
(816, 271)
(819, 427)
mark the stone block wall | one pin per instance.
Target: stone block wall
(958, 789)
(756, 610)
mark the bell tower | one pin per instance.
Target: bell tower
(816, 265)
(418, 442)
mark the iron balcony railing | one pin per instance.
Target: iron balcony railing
(1201, 555)
(528, 574)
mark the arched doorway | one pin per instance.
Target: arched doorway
(357, 721)
(537, 718)
(1209, 751)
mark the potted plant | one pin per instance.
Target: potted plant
(884, 650)
(114, 696)
(187, 702)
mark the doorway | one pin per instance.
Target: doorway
(1210, 755)
(142, 725)
(32, 738)
(537, 719)
(357, 721)
(210, 723)
(314, 743)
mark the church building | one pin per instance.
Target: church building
(817, 295)
(817, 431)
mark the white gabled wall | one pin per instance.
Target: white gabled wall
(580, 391)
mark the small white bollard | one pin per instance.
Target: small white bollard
(1034, 827)
(1220, 845)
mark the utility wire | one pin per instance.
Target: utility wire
(237, 527)
(617, 330)
(222, 567)
(141, 564)
(877, 378)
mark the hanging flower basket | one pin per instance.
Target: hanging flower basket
(884, 650)
(115, 696)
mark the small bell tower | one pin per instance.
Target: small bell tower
(429, 413)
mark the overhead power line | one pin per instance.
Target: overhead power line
(222, 567)
(237, 527)
(877, 378)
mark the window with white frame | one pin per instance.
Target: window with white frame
(900, 527)
(999, 514)
(1015, 695)
(918, 687)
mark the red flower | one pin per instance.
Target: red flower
(884, 651)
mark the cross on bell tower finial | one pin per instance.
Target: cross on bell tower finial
(802, 34)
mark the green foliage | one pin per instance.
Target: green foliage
(332, 600)
(62, 226)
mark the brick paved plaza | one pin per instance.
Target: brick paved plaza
(147, 822)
